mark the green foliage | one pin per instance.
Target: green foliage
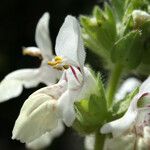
(123, 8)
(118, 7)
(121, 38)
(146, 42)
(113, 35)
(143, 69)
(99, 31)
(91, 113)
(145, 62)
(127, 51)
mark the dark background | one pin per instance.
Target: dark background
(18, 20)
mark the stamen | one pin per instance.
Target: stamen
(65, 66)
(58, 58)
(56, 63)
(59, 61)
(58, 68)
(52, 63)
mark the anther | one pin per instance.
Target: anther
(58, 68)
(58, 58)
(65, 66)
(52, 63)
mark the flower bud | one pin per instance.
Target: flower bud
(140, 17)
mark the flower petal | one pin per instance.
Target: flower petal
(128, 85)
(126, 142)
(89, 142)
(48, 75)
(134, 115)
(32, 51)
(147, 135)
(66, 107)
(145, 87)
(40, 143)
(140, 15)
(143, 120)
(143, 142)
(74, 77)
(119, 126)
(37, 116)
(75, 93)
(39, 113)
(42, 37)
(69, 43)
(12, 85)
(46, 139)
(89, 85)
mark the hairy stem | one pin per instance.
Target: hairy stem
(113, 83)
(99, 141)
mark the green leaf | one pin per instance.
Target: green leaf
(98, 13)
(127, 51)
(99, 31)
(123, 8)
(118, 6)
(107, 32)
(143, 69)
(128, 25)
(146, 42)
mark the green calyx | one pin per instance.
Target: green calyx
(91, 113)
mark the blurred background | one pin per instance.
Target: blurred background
(18, 20)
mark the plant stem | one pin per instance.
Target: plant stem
(99, 141)
(113, 83)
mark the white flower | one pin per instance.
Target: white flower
(127, 86)
(46, 139)
(120, 143)
(140, 16)
(89, 142)
(136, 119)
(38, 114)
(12, 85)
(129, 141)
(42, 111)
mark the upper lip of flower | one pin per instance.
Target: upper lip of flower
(69, 49)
